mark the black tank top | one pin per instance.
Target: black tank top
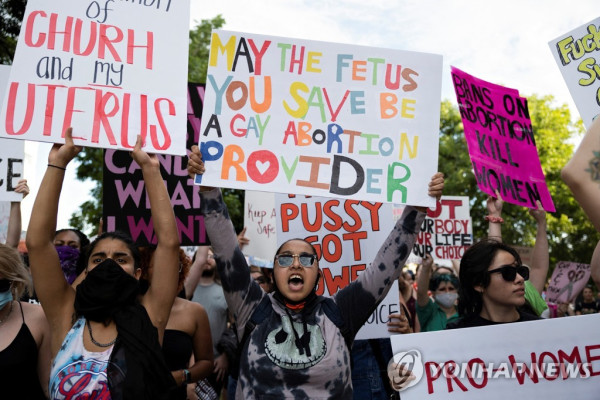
(18, 366)
(177, 349)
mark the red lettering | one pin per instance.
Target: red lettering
(431, 377)
(149, 46)
(288, 213)
(10, 110)
(591, 359)
(161, 123)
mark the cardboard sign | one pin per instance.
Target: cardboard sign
(315, 118)
(501, 142)
(111, 70)
(553, 359)
(347, 235)
(577, 54)
(260, 221)
(526, 254)
(568, 280)
(447, 231)
(125, 202)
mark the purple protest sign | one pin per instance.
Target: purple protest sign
(568, 279)
(501, 142)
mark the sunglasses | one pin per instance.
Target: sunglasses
(305, 259)
(509, 272)
(4, 285)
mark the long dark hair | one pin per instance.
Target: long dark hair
(473, 272)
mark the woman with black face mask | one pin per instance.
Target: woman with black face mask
(105, 338)
(24, 333)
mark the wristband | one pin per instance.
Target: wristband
(187, 377)
(491, 218)
(56, 166)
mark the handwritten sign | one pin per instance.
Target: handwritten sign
(344, 233)
(568, 280)
(553, 359)
(314, 118)
(125, 202)
(260, 221)
(111, 70)
(501, 142)
(447, 231)
(577, 54)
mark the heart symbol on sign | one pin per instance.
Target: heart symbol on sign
(262, 167)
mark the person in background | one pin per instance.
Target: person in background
(203, 286)
(13, 231)
(71, 245)
(103, 336)
(435, 313)
(24, 332)
(588, 304)
(187, 334)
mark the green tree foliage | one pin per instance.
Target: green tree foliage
(571, 236)
(200, 48)
(11, 15)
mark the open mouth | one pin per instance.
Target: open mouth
(296, 282)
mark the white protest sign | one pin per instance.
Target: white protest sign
(447, 231)
(347, 234)
(12, 153)
(553, 359)
(577, 54)
(326, 119)
(260, 221)
(110, 70)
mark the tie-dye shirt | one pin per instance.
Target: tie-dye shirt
(276, 362)
(78, 373)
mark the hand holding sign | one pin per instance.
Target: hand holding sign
(62, 154)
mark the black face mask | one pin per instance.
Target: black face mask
(105, 290)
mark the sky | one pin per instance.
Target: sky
(504, 42)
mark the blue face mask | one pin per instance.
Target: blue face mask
(5, 296)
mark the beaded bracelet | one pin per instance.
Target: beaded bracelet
(491, 218)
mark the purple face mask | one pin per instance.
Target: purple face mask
(68, 261)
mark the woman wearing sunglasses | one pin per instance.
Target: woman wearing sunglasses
(492, 286)
(296, 350)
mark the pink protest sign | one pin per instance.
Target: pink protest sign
(568, 279)
(501, 142)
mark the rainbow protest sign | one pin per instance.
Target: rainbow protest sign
(306, 117)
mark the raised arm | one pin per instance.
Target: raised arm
(13, 234)
(195, 271)
(358, 300)
(163, 285)
(423, 281)
(541, 254)
(241, 292)
(595, 265)
(494, 217)
(51, 287)
(582, 173)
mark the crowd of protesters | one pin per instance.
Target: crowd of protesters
(125, 322)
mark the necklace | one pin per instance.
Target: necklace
(98, 343)
(7, 315)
